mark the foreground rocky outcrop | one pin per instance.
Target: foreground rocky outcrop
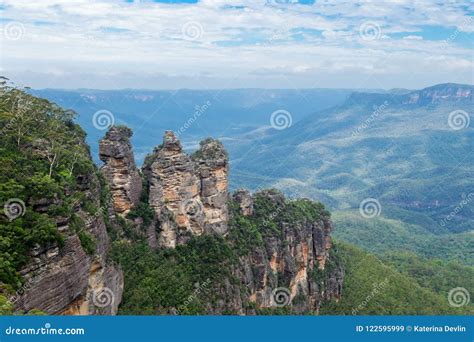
(72, 279)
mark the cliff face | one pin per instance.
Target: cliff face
(440, 93)
(66, 279)
(188, 193)
(119, 169)
(289, 267)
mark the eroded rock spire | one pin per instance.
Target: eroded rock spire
(119, 169)
(188, 193)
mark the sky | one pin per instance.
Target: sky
(209, 44)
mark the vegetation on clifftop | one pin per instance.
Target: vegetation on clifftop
(43, 155)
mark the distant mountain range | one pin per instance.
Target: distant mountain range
(195, 114)
(413, 152)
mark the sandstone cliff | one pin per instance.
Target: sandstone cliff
(188, 193)
(292, 265)
(68, 279)
(289, 253)
(119, 169)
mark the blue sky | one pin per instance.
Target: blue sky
(168, 44)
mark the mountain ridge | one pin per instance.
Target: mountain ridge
(364, 148)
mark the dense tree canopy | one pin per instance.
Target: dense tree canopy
(42, 153)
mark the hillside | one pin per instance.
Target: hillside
(372, 288)
(436, 274)
(380, 235)
(400, 149)
(53, 227)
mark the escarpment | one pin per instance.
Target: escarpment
(75, 277)
(288, 261)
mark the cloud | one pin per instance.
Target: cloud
(125, 44)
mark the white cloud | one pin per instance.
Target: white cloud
(80, 43)
(412, 37)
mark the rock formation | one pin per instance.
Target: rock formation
(189, 196)
(288, 258)
(188, 193)
(291, 266)
(212, 168)
(119, 169)
(440, 93)
(67, 280)
(245, 201)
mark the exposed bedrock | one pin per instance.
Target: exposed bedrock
(188, 193)
(119, 169)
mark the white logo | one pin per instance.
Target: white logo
(458, 297)
(281, 297)
(458, 119)
(281, 119)
(103, 119)
(193, 207)
(14, 208)
(370, 208)
(192, 30)
(103, 297)
(14, 30)
(370, 30)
